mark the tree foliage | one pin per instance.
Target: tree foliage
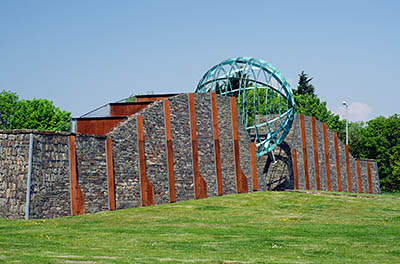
(258, 102)
(131, 98)
(8, 105)
(379, 139)
(308, 103)
(38, 114)
(356, 138)
(312, 106)
(304, 85)
(394, 178)
(234, 83)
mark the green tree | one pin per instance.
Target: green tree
(378, 139)
(131, 98)
(8, 106)
(308, 103)
(304, 85)
(356, 138)
(38, 114)
(311, 105)
(260, 103)
(239, 80)
(381, 141)
(394, 178)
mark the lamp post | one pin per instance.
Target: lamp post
(347, 124)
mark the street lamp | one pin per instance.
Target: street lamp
(347, 124)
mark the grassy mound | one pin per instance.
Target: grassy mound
(266, 227)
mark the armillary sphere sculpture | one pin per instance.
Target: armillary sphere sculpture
(264, 98)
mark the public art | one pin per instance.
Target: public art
(265, 99)
(236, 133)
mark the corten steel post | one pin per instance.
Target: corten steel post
(254, 166)
(200, 185)
(315, 148)
(304, 145)
(338, 174)
(217, 149)
(359, 182)
(110, 174)
(241, 179)
(170, 154)
(326, 152)
(77, 196)
(147, 189)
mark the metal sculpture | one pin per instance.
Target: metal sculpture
(263, 96)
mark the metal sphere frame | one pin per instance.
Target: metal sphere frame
(264, 98)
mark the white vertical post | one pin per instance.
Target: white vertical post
(347, 132)
(347, 122)
(73, 125)
(28, 184)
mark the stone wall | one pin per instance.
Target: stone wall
(226, 144)
(50, 183)
(182, 148)
(92, 172)
(285, 177)
(50, 191)
(155, 151)
(245, 154)
(321, 156)
(53, 171)
(375, 177)
(126, 163)
(126, 168)
(14, 155)
(278, 175)
(205, 140)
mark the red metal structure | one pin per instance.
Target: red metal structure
(152, 97)
(119, 112)
(127, 109)
(97, 125)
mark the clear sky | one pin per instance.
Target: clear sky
(82, 54)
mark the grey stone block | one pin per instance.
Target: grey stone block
(226, 143)
(205, 141)
(126, 168)
(182, 148)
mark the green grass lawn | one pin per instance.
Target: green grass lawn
(262, 227)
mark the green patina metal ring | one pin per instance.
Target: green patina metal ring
(264, 98)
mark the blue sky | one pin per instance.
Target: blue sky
(82, 54)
